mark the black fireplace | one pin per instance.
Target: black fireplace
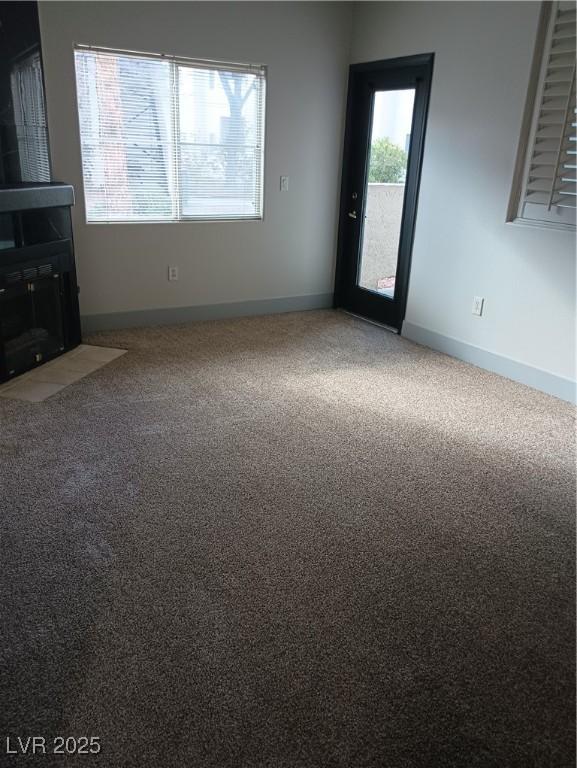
(38, 293)
(39, 317)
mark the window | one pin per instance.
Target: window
(30, 118)
(544, 190)
(167, 139)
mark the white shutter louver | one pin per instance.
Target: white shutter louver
(549, 185)
(168, 139)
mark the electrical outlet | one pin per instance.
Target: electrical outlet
(284, 183)
(173, 273)
(478, 304)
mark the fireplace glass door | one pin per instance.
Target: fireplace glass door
(31, 328)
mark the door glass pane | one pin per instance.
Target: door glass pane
(389, 151)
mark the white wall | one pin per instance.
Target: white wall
(123, 267)
(463, 247)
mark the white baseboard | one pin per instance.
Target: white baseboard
(552, 384)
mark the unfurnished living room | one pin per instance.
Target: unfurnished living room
(287, 384)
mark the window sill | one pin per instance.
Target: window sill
(172, 221)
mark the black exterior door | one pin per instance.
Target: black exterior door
(384, 140)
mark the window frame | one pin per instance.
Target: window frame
(532, 108)
(206, 64)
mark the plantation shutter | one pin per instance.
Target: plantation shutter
(549, 190)
(168, 139)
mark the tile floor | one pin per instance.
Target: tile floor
(48, 379)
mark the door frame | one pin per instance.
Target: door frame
(355, 161)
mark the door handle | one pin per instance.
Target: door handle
(352, 214)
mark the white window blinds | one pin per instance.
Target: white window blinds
(30, 118)
(548, 189)
(167, 139)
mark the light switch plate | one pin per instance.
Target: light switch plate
(284, 183)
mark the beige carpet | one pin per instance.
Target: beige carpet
(289, 541)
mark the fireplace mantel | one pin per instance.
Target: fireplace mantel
(20, 197)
